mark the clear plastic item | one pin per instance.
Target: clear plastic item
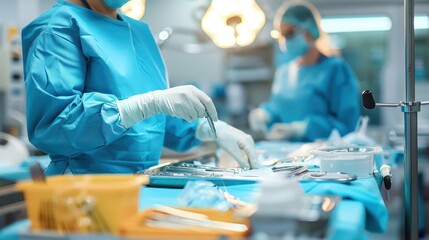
(358, 160)
(204, 194)
(12, 150)
(359, 136)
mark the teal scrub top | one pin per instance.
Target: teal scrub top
(325, 95)
(77, 64)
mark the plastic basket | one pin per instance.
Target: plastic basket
(115, 196)
(135, 228)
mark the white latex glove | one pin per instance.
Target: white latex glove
(230, 139)
(187, 102)
(258, 119)
(287, 130)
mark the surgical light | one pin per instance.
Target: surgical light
(164, 34)
(134, 9)
(233, 23)
(275, 34)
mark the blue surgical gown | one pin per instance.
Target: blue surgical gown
(77, 64)
(325, 94)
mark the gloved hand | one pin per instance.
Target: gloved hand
(230, 139)
(187, 102)
(258, 120)
(287, 130)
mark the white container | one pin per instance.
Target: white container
(348, 159)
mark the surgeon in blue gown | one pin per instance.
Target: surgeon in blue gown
(312, 93)
(98, 99)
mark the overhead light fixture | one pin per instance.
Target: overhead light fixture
(356, 24)
(421, 22)
(275, 34)
(134, 9)
(233, 23)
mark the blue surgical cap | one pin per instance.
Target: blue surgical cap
(302, 17)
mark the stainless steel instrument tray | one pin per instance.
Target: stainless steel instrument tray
(178, 174)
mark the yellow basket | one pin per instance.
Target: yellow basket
(115, 196)
(135, 227)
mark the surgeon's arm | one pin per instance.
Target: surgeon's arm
(273, 111)
(61, 118)
(344, 105)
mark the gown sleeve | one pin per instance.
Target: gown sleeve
(343, 105)
(180, 134)
(62, 119)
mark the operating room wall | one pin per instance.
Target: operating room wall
(21, 12)
(203, 68)
(14, 15)
(422, 87)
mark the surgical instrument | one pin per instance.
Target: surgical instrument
(210, 121)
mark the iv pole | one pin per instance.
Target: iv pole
(410, 108)
(410, 116)
(411, 182)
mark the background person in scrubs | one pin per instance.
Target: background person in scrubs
(312, 93)
(98, 99)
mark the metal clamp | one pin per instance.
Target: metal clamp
(410, 106)
(386, 173)
(369, 103)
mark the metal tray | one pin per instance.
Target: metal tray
(177, 174)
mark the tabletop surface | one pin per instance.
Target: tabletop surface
(362, 207)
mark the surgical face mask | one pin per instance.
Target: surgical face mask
(297, 45)
(115, 4)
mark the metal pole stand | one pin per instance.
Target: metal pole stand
(411, 181)
(410, 108)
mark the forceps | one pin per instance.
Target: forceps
(210, 121)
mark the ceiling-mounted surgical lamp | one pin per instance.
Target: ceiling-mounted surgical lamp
(233, 23)
(134, 9)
